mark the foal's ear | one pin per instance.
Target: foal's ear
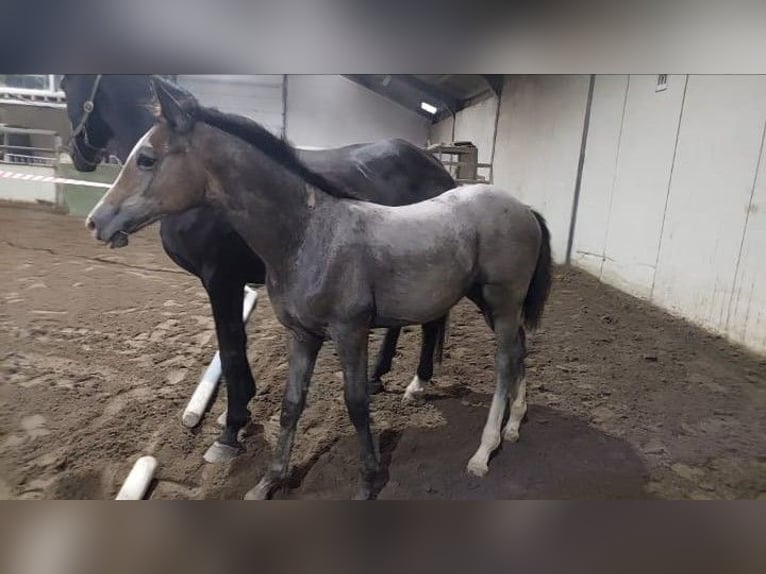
(176, 106)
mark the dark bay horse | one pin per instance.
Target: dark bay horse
(113, 113)
(338, 267)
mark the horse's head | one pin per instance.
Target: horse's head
(90, 133)
(162, 175)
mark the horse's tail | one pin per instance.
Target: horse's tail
(540, 286)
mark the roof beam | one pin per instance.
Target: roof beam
(495, 82)
(365, 81)
(438, 94)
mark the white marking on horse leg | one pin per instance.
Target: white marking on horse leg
(415, 389)
(518, 410)
(490, 437)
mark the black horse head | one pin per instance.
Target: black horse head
(101, 106)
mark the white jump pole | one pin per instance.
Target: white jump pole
(209, 381)
(139, 477)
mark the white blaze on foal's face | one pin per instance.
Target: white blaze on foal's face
(135, 178)
(161, 175)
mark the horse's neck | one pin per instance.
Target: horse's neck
(268, 206)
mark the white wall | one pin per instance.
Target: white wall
(746, 314)
(537, 149)
(599, 170)
(672, 199)
(441, 132)
(632, 183)
(321, 110)
(27, 191)
(712, 213)
(672, 206)
(537, 144)
(330, 111)
(477, 124)
(258, 97)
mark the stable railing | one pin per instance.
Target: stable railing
(462, 162)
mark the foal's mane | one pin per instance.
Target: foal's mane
(276, 148)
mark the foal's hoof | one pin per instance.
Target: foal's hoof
(219, 452)
(364, 494)
(477, 467)
(511, 435)
(261, 491)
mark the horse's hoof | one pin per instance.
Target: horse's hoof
(477, 467)
(262, 491)
(375, 387)
(511, 435)
(219, 452)
(221, 420)
(409, 398)
(415, 391)
(364, 494)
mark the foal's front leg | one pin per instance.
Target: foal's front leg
(303, 354)
(351, 343)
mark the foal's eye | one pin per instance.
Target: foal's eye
(146, 161)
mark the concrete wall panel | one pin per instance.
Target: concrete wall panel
(644, 163)
(538, 146)
(746, 316)
(720, 143)
(599, 172)
(477, 124)
(331, 111)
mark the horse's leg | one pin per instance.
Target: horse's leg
(505, 314)
(385, 357)
(226, 298)
(351, 344)
(431, 333)
(303, 354)
(519, 404)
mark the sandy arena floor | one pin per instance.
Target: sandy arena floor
(101, 349)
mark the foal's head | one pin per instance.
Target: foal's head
(162, 175)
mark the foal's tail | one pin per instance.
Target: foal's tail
(540, 286)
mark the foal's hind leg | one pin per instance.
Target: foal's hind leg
(505, 314)
(303, 354)
(518, 404)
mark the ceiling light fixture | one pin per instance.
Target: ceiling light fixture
(431, 109)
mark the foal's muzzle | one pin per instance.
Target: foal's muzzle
(105, 225)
